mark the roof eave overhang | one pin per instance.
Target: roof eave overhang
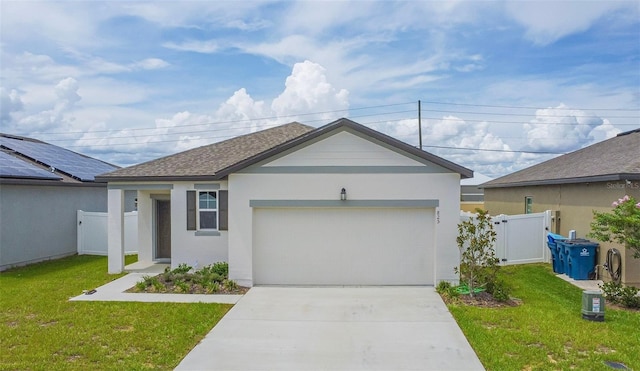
(43, 182)
(575, 180)
(106, 179)
(346, 123)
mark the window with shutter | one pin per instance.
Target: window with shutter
(223, 208)
(191, 210)
(207, 211)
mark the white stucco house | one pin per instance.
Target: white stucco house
(295, 205)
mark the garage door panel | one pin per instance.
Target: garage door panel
(343, 246)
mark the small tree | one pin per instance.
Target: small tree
(622, 225)
(478, 262)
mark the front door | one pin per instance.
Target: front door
(163, 229)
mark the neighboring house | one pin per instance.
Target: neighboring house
(471, 194)
(41, 188)
(573, 185)
(339, 205)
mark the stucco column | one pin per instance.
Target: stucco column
(115, 230)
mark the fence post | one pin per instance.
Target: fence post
(79, 234)
(501, 238)
(548, 214)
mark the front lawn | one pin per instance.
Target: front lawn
(546, 331)
(40, 329)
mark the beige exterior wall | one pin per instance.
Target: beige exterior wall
(575, 204)
(471, 206)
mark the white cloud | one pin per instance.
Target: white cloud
(562, 129)
(548, 21)
(307, 90)
(67, 92)
(9, 102)
(486, 151)
(605, 131)
(55, 118)
(197, 46)
(151, 64)
(54, 21)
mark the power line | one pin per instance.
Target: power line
(499, 150)
(244, 120)
(523, 115)
(367, 123)
(206, 130)
(536, 108)
(391, 105)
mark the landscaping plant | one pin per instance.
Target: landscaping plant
(478, 262)
(616, 293)
(211, 279)
(621, 225)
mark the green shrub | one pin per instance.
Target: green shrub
(168, 276)
(443, 287)
(204, 278)
(447, 290)
(221, 268)
(157, 285)
(230, 285)
(182, 286)
(141, 285)
(211, 287)
(623, 295)
(499, 289)
(629, 297)
(182, 269)
(611, 291)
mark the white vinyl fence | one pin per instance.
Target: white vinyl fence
(92, 233)
(520, 238)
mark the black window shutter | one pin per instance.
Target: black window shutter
(191, 210)
(223, 209)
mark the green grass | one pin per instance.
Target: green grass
(41, 330)
(547, 332)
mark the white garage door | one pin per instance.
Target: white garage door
(343, 246)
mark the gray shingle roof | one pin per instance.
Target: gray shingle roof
(617, 158)
(207, 161)
(216, 161)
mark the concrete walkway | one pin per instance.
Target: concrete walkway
(335, 328)
(592, 285)
(115, 291)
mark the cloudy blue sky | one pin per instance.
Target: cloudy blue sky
(503, 85)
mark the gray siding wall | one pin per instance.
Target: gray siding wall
(39, 222)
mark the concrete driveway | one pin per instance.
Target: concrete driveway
(335, 328)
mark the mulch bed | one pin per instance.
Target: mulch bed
(481, 299)
(169, 287)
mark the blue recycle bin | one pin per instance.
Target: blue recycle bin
(552, 243)
(563, 254)
(582, 259)
(562, 249)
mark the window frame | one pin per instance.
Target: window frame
(199, 210)
(528, 204)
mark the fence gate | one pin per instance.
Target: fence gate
(92, 233)
(520, 238)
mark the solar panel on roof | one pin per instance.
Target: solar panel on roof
(74, 164)
(16, 168)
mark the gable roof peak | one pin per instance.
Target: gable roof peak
(218, 160)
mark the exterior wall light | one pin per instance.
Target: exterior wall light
(343, 195)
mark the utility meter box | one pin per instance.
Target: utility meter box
(593, 305)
